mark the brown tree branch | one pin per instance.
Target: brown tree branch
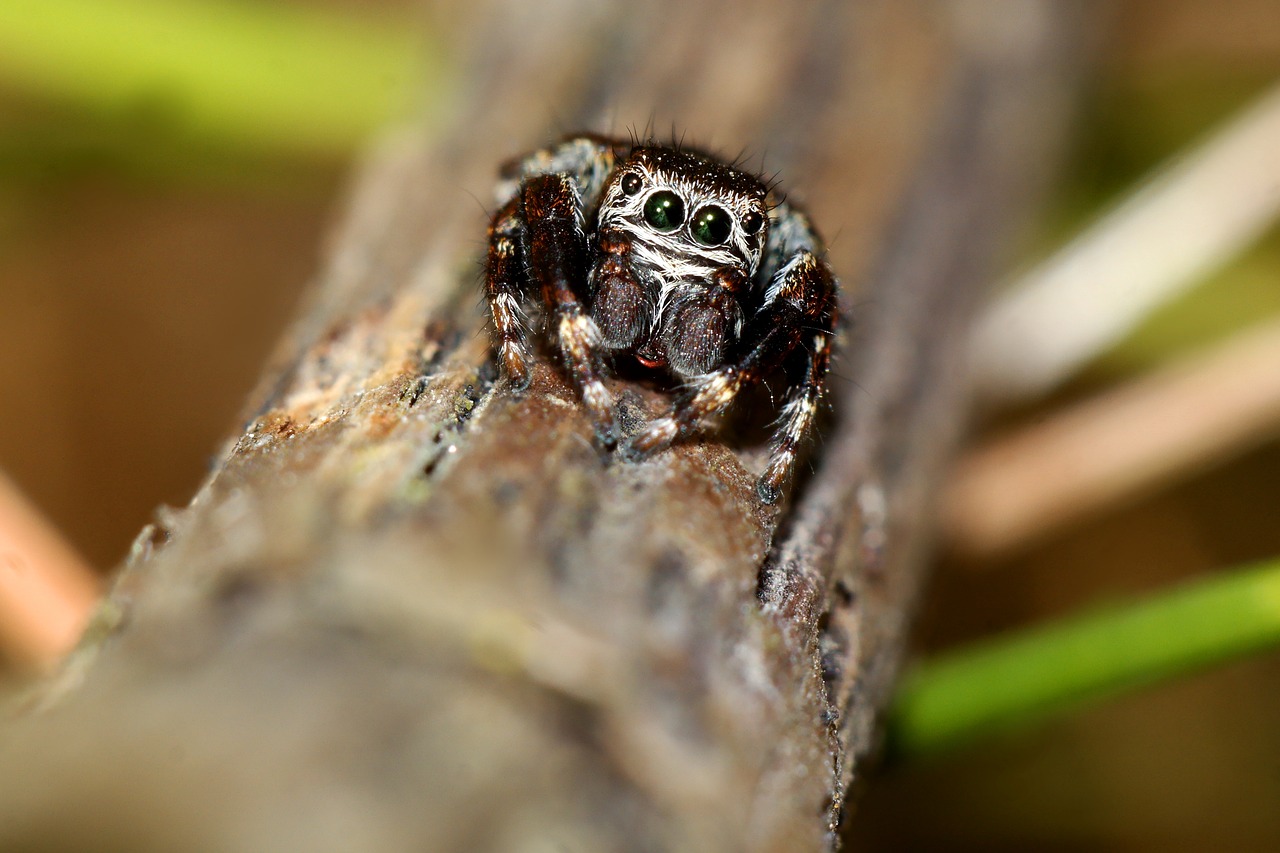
(411, 611)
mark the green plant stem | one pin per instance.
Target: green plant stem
(1011, 682)
(261, 76)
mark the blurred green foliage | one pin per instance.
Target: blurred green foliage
(1013, 681)
(173, 86)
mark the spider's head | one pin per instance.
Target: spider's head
(689, 219)
(687, 214)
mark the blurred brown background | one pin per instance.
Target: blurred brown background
(137, 307)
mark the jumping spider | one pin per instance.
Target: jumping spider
(676, 259)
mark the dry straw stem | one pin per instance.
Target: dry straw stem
(1187, 415)
(1198, 212)
(46, 590)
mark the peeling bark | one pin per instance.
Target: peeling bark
(410, 610)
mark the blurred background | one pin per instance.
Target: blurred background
(146, 269)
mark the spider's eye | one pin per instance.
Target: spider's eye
(753, 222)
(711, 225)
(631, 183)
(664, 211)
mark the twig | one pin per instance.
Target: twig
(46, 590)
(1196, 214)
(413, 610)
(1095, 454)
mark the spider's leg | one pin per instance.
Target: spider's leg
(790, 232)
(790, 235)
(557, 257)
(798, 414)
(800, 311)
(523, 261)
(504, 281)
(587, 160)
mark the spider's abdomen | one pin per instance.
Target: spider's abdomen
(697, 328)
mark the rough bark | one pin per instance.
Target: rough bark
(410, 610)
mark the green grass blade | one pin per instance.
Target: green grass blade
(260, 76)
(1007, 683)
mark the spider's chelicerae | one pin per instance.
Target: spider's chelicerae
(676, 259)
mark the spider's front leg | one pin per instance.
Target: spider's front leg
(800, 312)
(503, 277)
(542, 227)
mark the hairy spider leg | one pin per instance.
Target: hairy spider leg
(798, 415)
(567, 175)
(800, 311)
(504, 276)
(557, 250)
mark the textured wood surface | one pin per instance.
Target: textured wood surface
(412, 611)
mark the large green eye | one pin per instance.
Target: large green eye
(664, 211)
(711, 225)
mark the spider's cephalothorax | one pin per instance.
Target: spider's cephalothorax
(676, 259)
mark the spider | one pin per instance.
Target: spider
(676, 259)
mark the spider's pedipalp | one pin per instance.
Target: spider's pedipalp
(801, 312)
(621, 306)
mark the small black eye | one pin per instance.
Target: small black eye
(631, 183)
(711, 225)
(752, 222)
(664, 211)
